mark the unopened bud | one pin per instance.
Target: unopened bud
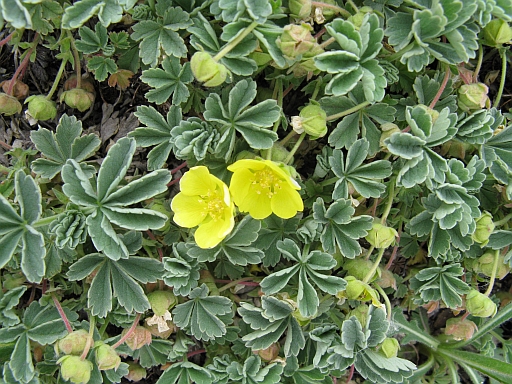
(270, 353)
(300, 9)
(497, 32)
(78, 98)
(135, 372)
(460, 329)
(359, 268)
(480, 305)
(381, 236)
(387, 130)
(484, 228)
(40, 108)
(485, 265)
(9, 105)
(161, 301)
(138, 338)
(278, 153)
(19, 90)
(296, 40)
(106, 356)
(74, 369)
(312, 120)
(207, 70)
(390, 347)
(73, 343)
(473, 97)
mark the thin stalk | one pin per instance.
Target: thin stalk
(348, 111)
(104, 326)
(182, 165)
(442, 88)
(389, 204)
(23, 64)
(335, 8)
(503, 221)
(400, 53)
(7, 39)
(503, 77)
(353, 5)
(386, 300)
(288, 137)
(493, 273)
(47, 220)
(370, 274)
(327, 42)
(129, 333)
(479, 63)
(232, 44)
(90, 339)
(57, 79)
(295, 147)
(235, 283)
(62, 314)
(76, 57)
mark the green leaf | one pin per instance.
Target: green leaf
(16, 13)
(252, 372)
(499, 147)
(172, 80)
(182, 270)
(340, 228)
(183, 373)
(28, 195)
(412, 331)
(375, 367)
(108, 11)
(203, 316)
(252, 122)
(66, 143)
(101, 67)
(365, 178)
(92, 41)
(154, 354)
(21, 363)
(10, 300)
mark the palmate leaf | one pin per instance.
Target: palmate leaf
(8, 302)
(252, 122)
(162, 35)
(101, 67)
(17, 229)
(157, 132)
(108, 11)
(341, 230)
(108, 204)
(271, 322)
(310, 268)
(499, 148)
(444, 283)
(204, 317)
(237, 247)
(365, 178)
(171, 80)
(183, 373)
(377, 368)
(92, 41)
(66, 143)
(252, 372)
(120, 278)
(182, 270)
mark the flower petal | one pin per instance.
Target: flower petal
(286, 202)
(240, 184)
(255, 165)
(212, 232)
(189, 211)
(197, 181)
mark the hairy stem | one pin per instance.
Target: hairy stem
(479, 63)
(442, 88)
(503, 77)
(90, 339)
(62, 314)
(7, 39)
(371, 273)
(295, 147)
(494, 272)
(348, 111)
(23, 64)
(76, 58)
(232, 44)
(130, 331)
(57, 79)
(386, 300)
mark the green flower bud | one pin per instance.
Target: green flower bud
(381, 236)
(278, 153)
(460, 329)
(73, 343)
(106, 356)
(484, 228)
(480, 305)
(359, 268)
(300, 9)
(161, 301)
(270, 353)
(40, 108)
(135, 372)
(390, 347)
(312, 120)
(78, 98)
(387, 279)
(207, 70)
(70, 230)
(485, 264)
(9, 105)
(74, 369)
(473, 97)
(302, 320)
(387, 130)
(138, 338)
(357, 290)
(296, 40)
(360, 312)
(497, 32)
(19, 90)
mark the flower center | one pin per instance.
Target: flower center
(214, 205)
(266, 182)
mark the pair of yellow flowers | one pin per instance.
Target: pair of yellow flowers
(259, 187)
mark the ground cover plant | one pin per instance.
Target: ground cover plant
(256, 191)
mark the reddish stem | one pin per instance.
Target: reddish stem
(464, 316)
(250, 283)
(441, 89)
(196, 352)
(395, 249)
(350, 373)
(22, 66)
(159, 250)
(175, 181)
(62, 314)
(130, 331)
(287, 90)
(183, 165)
(44, 286)
(5, 145)
(7, 39)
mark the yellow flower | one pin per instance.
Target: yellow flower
(204, 201)
(261, 187)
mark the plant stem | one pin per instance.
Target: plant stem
(327, 42)
(47, 220)
(104, 326)
(232, 44)
(335, 8)
(503, 76)
(57, 79)
(370, 274)
(90, 338)
(130, 331)
(442, 88)
(494, 272)
(235, 283)
(7, 39)
(62, 314)
(182, 165)
(295, 147)
(22, 65)
(389, 204)
(288, 137)
(348, 111)
(76, 58)
(479, 63)
(353, 5)
(386, 300)
(503, 221)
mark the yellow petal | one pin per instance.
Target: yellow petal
(211, 233)
(286, 202)
(258, 205)
(197, 181)
(255, 165)
(189, 211)
(240, 185)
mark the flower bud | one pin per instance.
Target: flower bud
(40, 108)
(300, 9)
(138, 338)
(485, 264)
(360, 312)
(460, 329)
(106, 356)
(155, 331)
(473, 97)
(78, 98)
(302, 320)
(484, 228)
(9, 105)
(161, 301)
(381, 236)
(207, 70)
(296, 40)
(480, 305)
(73, 343)
(357, 290)
(359, 268)
(278, 153)
(387, 130)
(312, 120)
(390, 347)
(135, 372)
(387, 279)
(270, 353)
(74, 369)
(87, 84)
(19, 90)
(497, 32)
